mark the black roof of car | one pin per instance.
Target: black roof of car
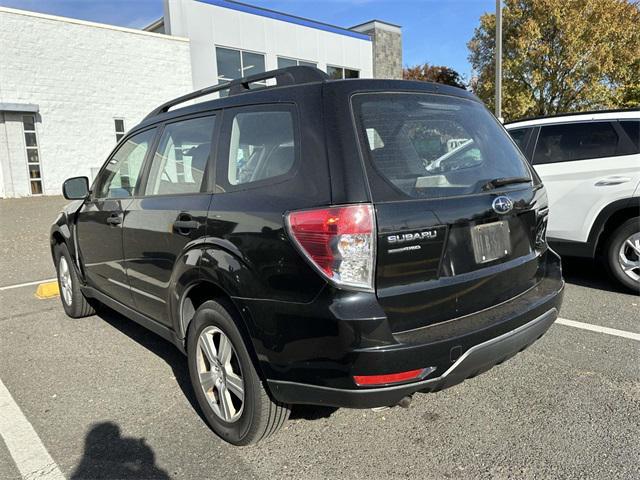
(243, 91)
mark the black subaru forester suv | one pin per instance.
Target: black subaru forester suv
(307, 241)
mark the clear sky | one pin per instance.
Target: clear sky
(434, 31)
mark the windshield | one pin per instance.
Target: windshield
(428, 145)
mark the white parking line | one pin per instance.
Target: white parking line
(597, 328)
(22, 441)
(26, 284)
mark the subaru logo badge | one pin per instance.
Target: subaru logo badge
(502, 205)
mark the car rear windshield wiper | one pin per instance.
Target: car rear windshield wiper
(501, 182)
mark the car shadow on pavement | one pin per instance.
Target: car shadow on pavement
(109, 455)
(587, 272)
(311, 412)
(178, 363)
(157, 345)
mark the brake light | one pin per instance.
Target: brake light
(542, 219)
(366, 380)
(339, 242)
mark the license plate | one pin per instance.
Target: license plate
(490, 241)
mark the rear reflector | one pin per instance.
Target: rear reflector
(362, 380)
(339, 242)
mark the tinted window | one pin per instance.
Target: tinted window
(433, 145)
(632, 127)
(262, 146)
(233, 64)
(291, 62)
(119, 177)
(575, 141)
(252, 63)
(181, 157)
(286, 62)
(228, 62)
(119, 127)
(519, 136)
(348, 73)
(339, 73)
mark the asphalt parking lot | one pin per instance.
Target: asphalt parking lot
(108, 399)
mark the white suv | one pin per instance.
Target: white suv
(590, 165)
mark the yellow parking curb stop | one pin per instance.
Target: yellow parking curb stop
(47, 290)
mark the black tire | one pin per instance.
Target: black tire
(259, 416)
(78, 306)
(612, 252)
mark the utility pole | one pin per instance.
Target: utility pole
(499, 59)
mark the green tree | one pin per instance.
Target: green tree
(434, 73)
(560, 56)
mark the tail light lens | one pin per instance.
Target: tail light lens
(541, 227)
(339, 242)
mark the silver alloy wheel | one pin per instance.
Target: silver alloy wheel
(220, 374)
(66, 284)
(629, 257)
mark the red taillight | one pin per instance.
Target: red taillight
(366, 380)
(338, 241)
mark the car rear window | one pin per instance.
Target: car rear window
(430, 145)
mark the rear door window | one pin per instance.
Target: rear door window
(575, 141)
(632, 128)
(262, 147)
(427, 145)
(181, 157)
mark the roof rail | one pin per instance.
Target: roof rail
(572, 114)
(283, 76)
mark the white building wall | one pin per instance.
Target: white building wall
(82, 75)
(208, 26)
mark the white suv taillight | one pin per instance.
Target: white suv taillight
(339, 242)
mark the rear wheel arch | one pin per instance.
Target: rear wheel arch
(194, 296)
(609, 219)
(199, 293)
(195, 283)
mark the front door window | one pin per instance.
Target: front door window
(120, 176)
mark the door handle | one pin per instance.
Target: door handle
(114, 219)
(185, 223)
(609, 181)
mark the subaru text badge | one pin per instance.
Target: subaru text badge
(408, 237)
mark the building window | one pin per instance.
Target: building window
(33, 154)
(339, 73)
(284, 62)
(234, 64)
(119, 126)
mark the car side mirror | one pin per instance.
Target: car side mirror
(76, 188)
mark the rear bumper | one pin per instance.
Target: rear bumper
(309, 353)
(474, 361)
